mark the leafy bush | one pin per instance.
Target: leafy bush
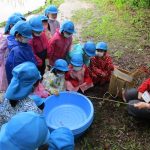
(132, 3)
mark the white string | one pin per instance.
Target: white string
(110, 100)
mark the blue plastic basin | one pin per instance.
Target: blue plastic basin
(70, 109)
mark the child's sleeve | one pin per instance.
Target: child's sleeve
(62, 85)
(58, 24)
(87, 77)
(48, 82)
(68, 77)
(94, 69)
(38, 59)
(51, 50)
(69, 46)
(1, 56)
(40, 91)
(145, 86)
(110, 66)
(45, 40)
(3, 48)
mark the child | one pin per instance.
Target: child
(101, 65)
(20, 15)
(12, 20)
(25, 79)
(22, 52)
(39, 43)
(61, 42)
(88, 51)
(6, 43)
(77, 78)
(46, 26)
(54, 80)
(28, 131)
(51, 12)
(137, 106)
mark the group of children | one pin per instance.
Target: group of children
(42, 38)
(28, 78)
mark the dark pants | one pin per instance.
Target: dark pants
(43, 147)
(42, 68)
(43, 56)
(131, 96)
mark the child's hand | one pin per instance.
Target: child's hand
(56, 93)
(116, 67)
(103, 74)
(140, 95)
(142, 105)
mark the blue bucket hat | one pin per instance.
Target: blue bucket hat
(12, 20)
(20, 15)
(61, 65)
(43, 17)
(61, 138)
(23, 28)
(102, 46)
(52, 9)
(25, 76)
(36, 24)
(77, 60)
(90, 48)
(25, 131)
(68, 26)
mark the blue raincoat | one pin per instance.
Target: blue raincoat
(28, 131)
(19, 53)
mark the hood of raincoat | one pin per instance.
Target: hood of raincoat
(11, 42)
(25, 76)
(25, 131)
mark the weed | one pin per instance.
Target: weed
(118, 54)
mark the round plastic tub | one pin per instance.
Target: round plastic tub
(70, 109)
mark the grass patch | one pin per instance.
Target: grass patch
(118, 54)
(106, 22)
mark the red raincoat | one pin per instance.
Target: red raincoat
(39, 46)
(100, 69)
(145, 86)
(76, 80)
(58, 47)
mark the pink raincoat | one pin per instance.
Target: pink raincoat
(54, 24)
(58, 47)
(3, 55)
(76, 80)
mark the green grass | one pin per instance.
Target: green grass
(118, 54)
(115, 25)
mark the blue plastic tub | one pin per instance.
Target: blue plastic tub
(70, 109)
